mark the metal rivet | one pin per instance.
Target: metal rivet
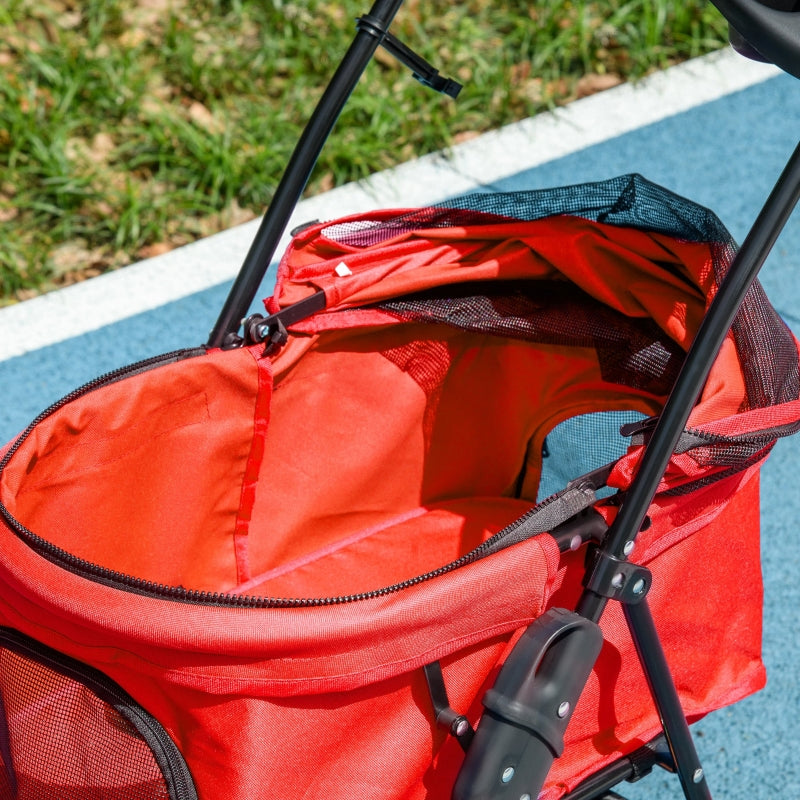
(638, 587)
(618, 580)
(563, 709)
(698, 775)
(460, 726)
(525, 796)
(575, 542)
(628, 549)
(508, 774)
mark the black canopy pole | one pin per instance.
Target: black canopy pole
(298, 171)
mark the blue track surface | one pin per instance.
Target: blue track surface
(725, 155)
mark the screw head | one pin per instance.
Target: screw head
(638, 587)
(698, 775)
(618, 580)
(563, 710)
(508, 774)
(628, 548)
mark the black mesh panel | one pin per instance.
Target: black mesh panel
(60, 740)
(765, 344)
(632, 352)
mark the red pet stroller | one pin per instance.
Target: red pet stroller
(453, 519)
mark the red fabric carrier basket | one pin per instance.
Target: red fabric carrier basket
(223, 572)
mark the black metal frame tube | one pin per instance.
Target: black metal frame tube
(701, 355)
(637, 499)
(298, 171)
(662, 688)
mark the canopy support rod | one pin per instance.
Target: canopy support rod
(297, 173)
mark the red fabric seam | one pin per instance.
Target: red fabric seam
(252, 468)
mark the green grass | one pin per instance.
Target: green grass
(128, 128)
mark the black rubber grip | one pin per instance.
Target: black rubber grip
(772, 28)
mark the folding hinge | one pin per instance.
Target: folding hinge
(272, 330)
(616, 578)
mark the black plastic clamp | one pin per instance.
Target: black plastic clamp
(371, 25)
(586, 526)
(616, 578)
(529, 707)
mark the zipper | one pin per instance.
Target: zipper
(119, 580)
(168, 758)
(122, 581)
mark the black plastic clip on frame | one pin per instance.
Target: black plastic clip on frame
(372, 31)
(424, 72)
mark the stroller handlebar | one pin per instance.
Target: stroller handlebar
(770, 27)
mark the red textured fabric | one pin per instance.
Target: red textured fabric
(707, 607)
(622, 267)
(368, 452)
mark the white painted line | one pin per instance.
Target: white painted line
(149, 284)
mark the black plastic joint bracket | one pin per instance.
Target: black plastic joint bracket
(529, 707)
(616, 578)
(271, 331)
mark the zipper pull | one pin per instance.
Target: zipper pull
(638, 432)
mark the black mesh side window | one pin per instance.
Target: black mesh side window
(69, 733)
(581, 444)
(631, 352)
